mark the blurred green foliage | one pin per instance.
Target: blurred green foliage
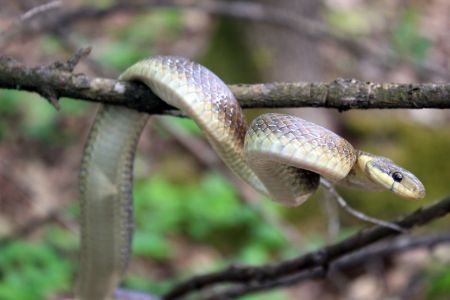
(345, 21)
(26, 115)
(136, 41)
(407, 40)
(32, 271)
(438, 280)
(205, 211)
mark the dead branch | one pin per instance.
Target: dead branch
(361, 257)
(314, 263)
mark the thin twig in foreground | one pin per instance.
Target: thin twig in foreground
(319, 258)
(332, 191)
(329, 207)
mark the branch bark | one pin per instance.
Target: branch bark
(360, 258)
(55, 81)
(314, 263)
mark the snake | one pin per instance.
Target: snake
(281, 156)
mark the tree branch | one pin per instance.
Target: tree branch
(55, 80)
(359, 258)
(319, 259)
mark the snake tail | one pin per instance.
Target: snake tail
(106, 201)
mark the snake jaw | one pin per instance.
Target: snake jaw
(392, 177)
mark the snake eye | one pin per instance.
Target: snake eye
(397, 176)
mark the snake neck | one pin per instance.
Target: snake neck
(358, 177)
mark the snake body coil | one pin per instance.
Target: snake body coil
(280, 155)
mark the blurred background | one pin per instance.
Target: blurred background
(192, 216)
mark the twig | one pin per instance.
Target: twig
(320, 258)
(23, 24)
(70, 64)
(332, 191)
(66, 66)
(253, 287)
(330, 209)
(40, 9)
(361, 257)
(341, 93)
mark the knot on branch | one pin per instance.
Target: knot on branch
(65, 66)
(70, 64)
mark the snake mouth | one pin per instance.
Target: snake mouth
(415, 193)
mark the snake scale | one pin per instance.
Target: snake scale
(281, 156)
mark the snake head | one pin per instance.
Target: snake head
(390, 176)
